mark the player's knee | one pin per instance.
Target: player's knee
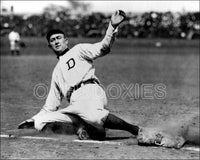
(94, 120)
(39, 124)
(97, 117)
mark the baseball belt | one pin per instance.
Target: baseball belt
(72, 89)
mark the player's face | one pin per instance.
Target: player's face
(58, 43)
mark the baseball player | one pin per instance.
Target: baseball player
(74, 78)
(14, 39)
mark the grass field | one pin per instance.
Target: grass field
(174, 64)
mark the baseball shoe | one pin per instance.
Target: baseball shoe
(82, 134)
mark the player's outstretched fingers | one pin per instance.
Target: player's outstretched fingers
(122, 13)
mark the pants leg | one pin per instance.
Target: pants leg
(12, 52)
(58, 122)
(88, 103)
(12, 47)
(57, 116)
(18, 52)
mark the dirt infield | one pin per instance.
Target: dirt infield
(177, 67)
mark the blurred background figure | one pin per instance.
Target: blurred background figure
(14, 39)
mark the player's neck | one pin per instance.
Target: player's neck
(62, 53)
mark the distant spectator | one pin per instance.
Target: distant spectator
(14, 39)
(142, 25)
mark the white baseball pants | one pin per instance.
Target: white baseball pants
(87, 102)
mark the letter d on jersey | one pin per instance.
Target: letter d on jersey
(70, 63)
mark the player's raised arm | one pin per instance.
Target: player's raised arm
(92, 51)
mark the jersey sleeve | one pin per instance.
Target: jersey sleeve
(93, 51)
(53, 100)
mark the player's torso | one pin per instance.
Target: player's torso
(13, 36)
(71, 69)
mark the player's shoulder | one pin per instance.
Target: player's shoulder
(82, 45)
(78, 46)
(74, 51)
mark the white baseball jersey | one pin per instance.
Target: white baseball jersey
(13, 37)
(76, 66)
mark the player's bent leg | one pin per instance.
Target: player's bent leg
(76, 125)
(12, 52)
(51, 118)
(64, 123)
(88, 103)
(114, 122)
(18, 52)
(12, 47)
(92, 125)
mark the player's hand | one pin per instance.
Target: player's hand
(118, 17)
(27, 124)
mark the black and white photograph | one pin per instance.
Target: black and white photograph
(85, 79)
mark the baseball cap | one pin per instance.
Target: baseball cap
(53, 31)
